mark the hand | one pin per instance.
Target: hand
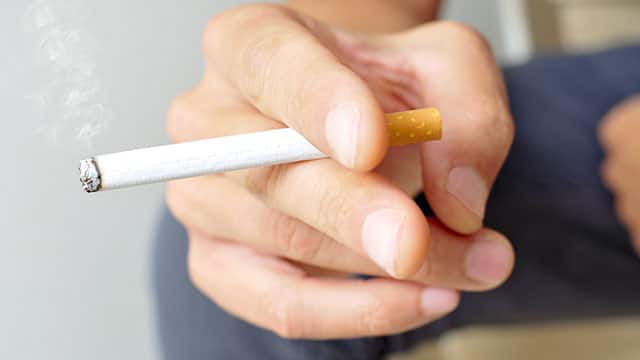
(620, 135)
(274, 245)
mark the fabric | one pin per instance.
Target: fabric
(574, 260)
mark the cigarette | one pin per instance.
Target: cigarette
(229, 153)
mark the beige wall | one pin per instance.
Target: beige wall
(615, 339)
(584, 24)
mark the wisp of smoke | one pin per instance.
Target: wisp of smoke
(70, 97)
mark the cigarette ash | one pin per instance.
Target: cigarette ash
(70, 100)
(89, 175)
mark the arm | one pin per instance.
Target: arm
(373, 16)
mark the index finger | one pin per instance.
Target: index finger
(273, 58)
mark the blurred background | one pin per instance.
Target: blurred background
(74, 268)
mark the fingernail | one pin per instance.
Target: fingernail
(469, 188)
(380, 234)
(489, 260)
(437, 302)
(342, 133)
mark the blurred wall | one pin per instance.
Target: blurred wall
(579, 25)
(73, 267)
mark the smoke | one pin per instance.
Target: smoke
(70, 98)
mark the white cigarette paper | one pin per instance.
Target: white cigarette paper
(169, 162)
(177, 161)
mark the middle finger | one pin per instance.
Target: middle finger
(475, 262)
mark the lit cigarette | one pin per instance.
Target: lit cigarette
(183, 160)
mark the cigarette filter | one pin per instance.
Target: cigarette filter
(170, 162)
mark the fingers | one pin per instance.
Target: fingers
(361, 211)
(194, 117)
(614, 129)
(459, 76)
(621, 168)
(210, 206)
(621, 175)
(275, 295)
(478, 262)
(285, 72)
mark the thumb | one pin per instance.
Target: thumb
(461, 78)
(458, 173)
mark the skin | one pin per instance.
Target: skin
(275, 245)
(621, 168)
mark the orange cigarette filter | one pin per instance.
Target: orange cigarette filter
(415, 126)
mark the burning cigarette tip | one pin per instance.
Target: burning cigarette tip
(89, 175)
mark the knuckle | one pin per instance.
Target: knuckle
(255, 13)
(263, 180)
(292, 238)
(504, 130)
(195, 266)
(211, 30)
(177, 118)
(464, 33)
(234, 19)
(334, 205)
(492, 119)
(428, 272)
(284, 311)
(175, 199)
(375, 318)
(263, 60)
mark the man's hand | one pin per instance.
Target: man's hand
(275, 245)
(620, 135)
